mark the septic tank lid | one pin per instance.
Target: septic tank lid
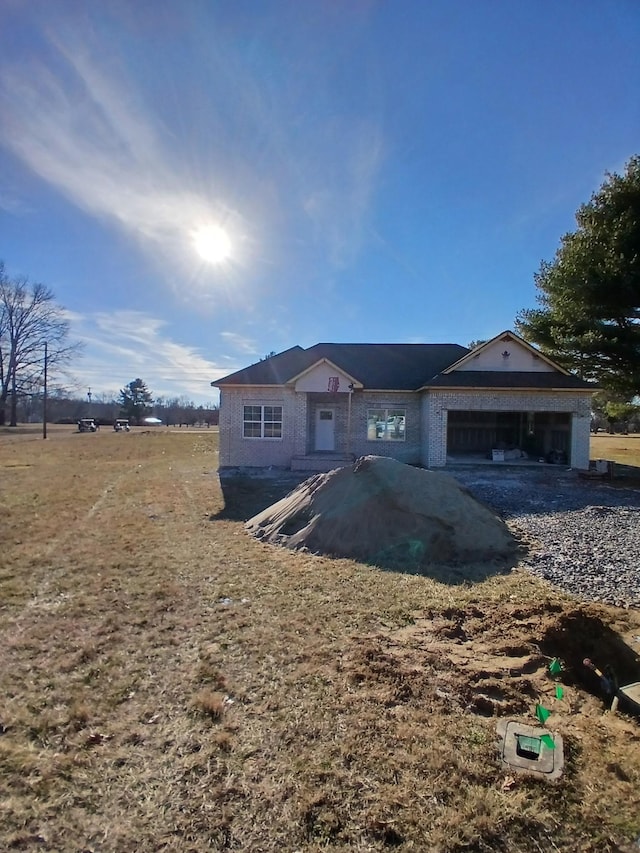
(531, 749)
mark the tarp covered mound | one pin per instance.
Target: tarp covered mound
(386, 513)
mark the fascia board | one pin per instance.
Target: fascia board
(389, 391)
(493, 390)
(244, 385)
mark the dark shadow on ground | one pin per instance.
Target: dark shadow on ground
(625, 476)
(245, 495)
(580, 636)
(401, 561)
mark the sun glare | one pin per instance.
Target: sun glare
(212, 244)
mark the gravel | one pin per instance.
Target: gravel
(584, 536)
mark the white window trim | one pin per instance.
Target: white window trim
(262, 407)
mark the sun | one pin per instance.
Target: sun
(212, 244)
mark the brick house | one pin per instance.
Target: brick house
(424, 404)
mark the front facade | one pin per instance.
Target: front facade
(423, 404)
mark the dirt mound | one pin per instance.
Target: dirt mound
(383, 512)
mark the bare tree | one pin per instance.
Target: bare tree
(31, 325)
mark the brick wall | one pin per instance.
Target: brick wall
(426, 423)
(434, 432)
(409, 450)
(235, 450)
(580, 438)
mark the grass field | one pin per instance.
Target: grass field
(170, 684)
(624, 449)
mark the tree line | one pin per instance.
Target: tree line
(67, 408)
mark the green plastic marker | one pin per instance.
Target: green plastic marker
(542, 713)
(555, 667)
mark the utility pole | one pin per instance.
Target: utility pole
(44, 395)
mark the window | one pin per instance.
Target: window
(386, 424)
(262, 422)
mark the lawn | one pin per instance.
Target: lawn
(624, 449)
(170, 684)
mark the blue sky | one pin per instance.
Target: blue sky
(384, 170)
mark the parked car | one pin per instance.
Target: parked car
(121, 424)
(87, 425)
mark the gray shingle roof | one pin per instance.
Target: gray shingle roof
(275, 370)
(397, 367)
(509, 379)
(400, 367)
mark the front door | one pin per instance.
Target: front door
(325, 429)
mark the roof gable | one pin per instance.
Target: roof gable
(506, 352)
(324, 375)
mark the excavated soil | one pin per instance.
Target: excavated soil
(495, 662)
(388, 514)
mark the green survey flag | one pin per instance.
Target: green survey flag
(547, 740)
(555, 667)
(542, 713)
(559, 692)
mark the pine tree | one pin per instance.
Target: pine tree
(589, 295)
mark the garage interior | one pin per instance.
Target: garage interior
(523, 436)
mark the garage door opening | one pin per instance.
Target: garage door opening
(524, 436)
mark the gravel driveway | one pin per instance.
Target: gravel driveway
(585, 534)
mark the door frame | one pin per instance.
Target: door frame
(317, 434)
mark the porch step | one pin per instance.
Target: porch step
(321, 462)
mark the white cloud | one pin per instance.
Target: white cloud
(239, 342)
(126, 345)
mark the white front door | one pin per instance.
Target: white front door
(325, 429)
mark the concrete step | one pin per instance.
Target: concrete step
(321, 462)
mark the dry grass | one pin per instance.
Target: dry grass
(170, 684)
(624, 449)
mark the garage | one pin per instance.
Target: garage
(532, 435)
